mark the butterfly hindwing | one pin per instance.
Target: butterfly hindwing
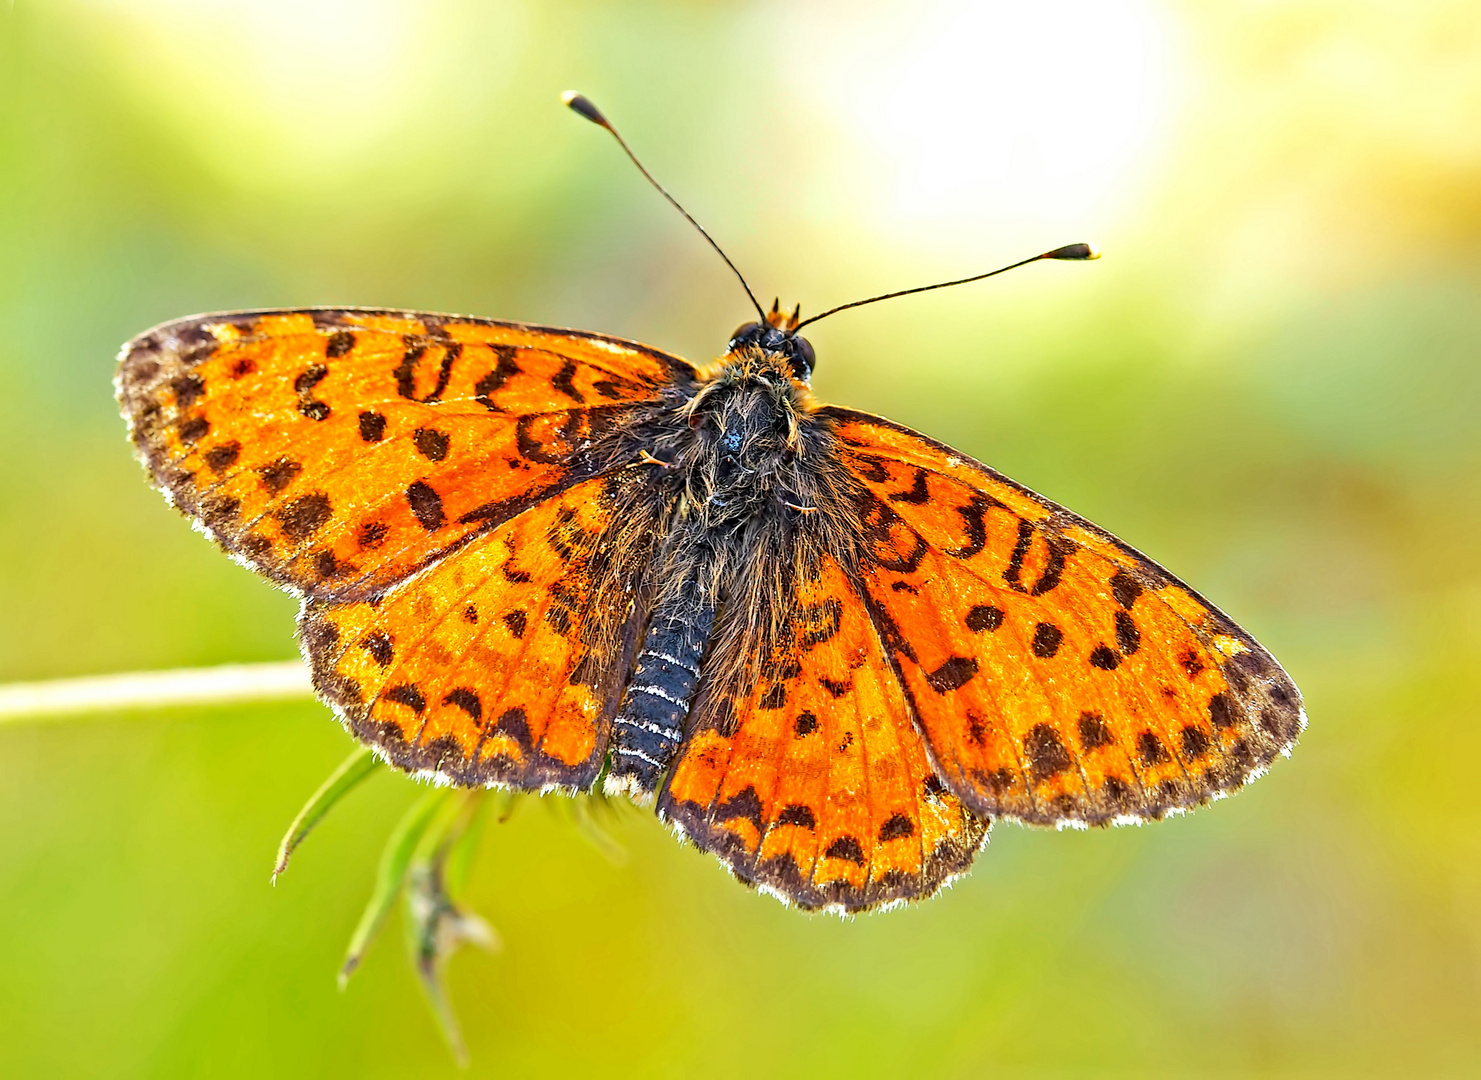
(808, 778)
(339, 450)
(503, 662)
(1058, 676)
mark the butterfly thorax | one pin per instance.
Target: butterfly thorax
(738, 445)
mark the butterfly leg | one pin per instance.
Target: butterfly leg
(649, 727)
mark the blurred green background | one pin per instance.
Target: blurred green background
(1271, 383)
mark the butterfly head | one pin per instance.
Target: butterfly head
(778, 335)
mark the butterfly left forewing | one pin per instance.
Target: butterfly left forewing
(1058, 676)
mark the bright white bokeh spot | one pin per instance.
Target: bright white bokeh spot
(1009, 113)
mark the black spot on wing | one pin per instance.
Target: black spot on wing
(1046, 753)
(430, 443)
(1014, 569)
(1047, 637)
(504, 369)
(1124, 589)
(308, 405)
(426, 505)
(302, 517)
(917, 493)
(897, 827)
(223, 456)
(1221, 711)
(846, 847)
(515, 725)
(1150, 749)
(466, 699)
(340, 342)
(745, 804)
(797, 814)
(984, 617)
(1060, 550)
(562, 381)
(835, 689)
(378, 645)
(406, 694)
(1128, 637)
(1195, 742)
(372, 427)
(188, 388)
(279, 474)
(1093, 732)
(952, 675)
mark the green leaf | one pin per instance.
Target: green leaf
(436, 926)
(341, 781)
(391, 874)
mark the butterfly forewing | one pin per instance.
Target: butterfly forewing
(1057, 675)
(339, 450)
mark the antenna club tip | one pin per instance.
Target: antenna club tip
(1081, 252)
(581, 105)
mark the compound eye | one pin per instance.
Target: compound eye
(745, 332)
(806, 355)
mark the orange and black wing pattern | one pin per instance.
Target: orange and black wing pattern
(504, 662)
(810, 780)
(1058, 676)
(338, 450)
(426, 482)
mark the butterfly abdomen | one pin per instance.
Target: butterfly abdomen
(649, 726)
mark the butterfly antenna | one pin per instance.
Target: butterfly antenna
(582, 106)
(1078, 252)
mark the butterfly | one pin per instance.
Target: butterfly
(826, 648)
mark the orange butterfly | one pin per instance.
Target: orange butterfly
(830, 648)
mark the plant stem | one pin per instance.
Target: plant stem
(224, 685)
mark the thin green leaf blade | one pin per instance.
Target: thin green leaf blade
(391, 874)
(350, 773)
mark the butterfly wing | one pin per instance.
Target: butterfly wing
(504, 661)
(471, 564)
(339, 450)
(1059, 676)
(806, 776)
